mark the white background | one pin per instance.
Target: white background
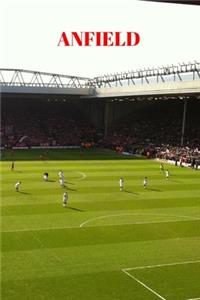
(30, 31)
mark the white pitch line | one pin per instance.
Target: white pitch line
(135, 223)
(157, 266)
(57, 258)
(82, 174)
(137, 214)
(38, 229)
(81, 225)
(144, 285)
(70, 227)
(37, 240)
(164, 265)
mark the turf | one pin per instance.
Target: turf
(81, 251)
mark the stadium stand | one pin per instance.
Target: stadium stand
(152, 112)
(152, 129)
(33, 124)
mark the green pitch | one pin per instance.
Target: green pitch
(107, 245)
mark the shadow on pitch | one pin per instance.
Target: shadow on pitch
(69, 189)
(176, 181)
(24, 193)
(155, 190)
(74, 208)
(129, 192)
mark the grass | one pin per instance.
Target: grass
(81, 251)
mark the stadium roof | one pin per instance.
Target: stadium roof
(191, 2)
(170, 73)
(181, 79)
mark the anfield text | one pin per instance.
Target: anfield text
(100, 38)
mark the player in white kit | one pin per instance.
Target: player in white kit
(61, 178)
(121, 184)
(145, 182)
(62, 182)
(45, 176)
(17, 185)
(60, 174)
(167, 174)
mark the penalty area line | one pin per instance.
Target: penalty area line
(126, 271)
(143, 284)
(164, 265)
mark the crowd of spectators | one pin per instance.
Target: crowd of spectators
(44, 125)
(180, 155)
(150, 133)
(157, 134)
(48, 132)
